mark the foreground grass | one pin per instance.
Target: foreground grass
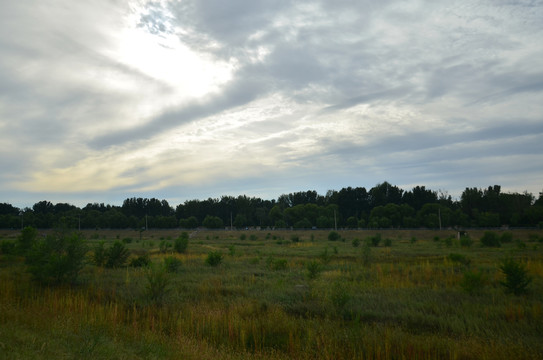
(401, 301)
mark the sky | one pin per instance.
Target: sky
(189, 99)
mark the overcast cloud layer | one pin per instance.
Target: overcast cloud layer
(108, 99)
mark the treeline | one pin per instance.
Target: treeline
(383, 206)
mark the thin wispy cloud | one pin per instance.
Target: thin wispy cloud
(189, 99)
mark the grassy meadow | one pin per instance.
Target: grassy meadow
(280, 295)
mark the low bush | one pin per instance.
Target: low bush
(387, 242)
(140, 261)
(313, 269)
(333, 236)
(473, 282)
(506, 237)
(375, 240)
(517, 278)
(459, 258)
(172, 264)
(57, 258)
(7, 247)
(466, 241)
(181, 243)
(157, 284)
(214, 258)
(279, 264)
(490, 239)
(356, 242)
(116, 255)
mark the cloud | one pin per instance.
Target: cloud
(182, 98)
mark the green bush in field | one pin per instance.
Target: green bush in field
(465, 241)
(333, 236)
(99, 256)
(375, 240)
(141, 261)
(459, 258)
(172, 264)
(279, 264)
(7, 247)
(253, 237)
(313, 268)
(387, 242)
(157, 284)
(243, 237)
(26, 240)
(366, 254)
(214, 258)
(473, 282)
(339, 296)
(57, 258)
(116, 255)
(356, 242)
(516, 277)
(181, 243)
(295, 238)
(506, 237)
(490, 239)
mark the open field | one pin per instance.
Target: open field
(282, 294)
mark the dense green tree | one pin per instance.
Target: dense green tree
(212, 222)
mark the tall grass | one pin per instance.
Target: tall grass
(407, 303)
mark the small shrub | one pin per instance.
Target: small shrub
(253, 237)
(214, 258)
(295, 238)
(459, 258)
(473, 282)
(436, 238)
(506, 237)
(366, 255)
(490, 239)
(116, 255)
(181, 243)
(413, 240)
(231, 250)
(279, 264)
(57, 258)
(466, 241)
(313, 269)
(172, 264)
(375, 240)
(157, 284)
(26, 240)
(325, 256)
(387, 242)
(449, 241)
(339, 296)
(163, 246)
(141, 261)
(127, 240)
(99, 256)
(333, 236)
(7, 247)
(243, 237)
(516, 277)
(356, 242)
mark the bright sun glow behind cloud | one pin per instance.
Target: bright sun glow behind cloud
(162, 56)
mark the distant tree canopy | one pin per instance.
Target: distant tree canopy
(383, 206)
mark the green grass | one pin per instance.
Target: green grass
(407, 301)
